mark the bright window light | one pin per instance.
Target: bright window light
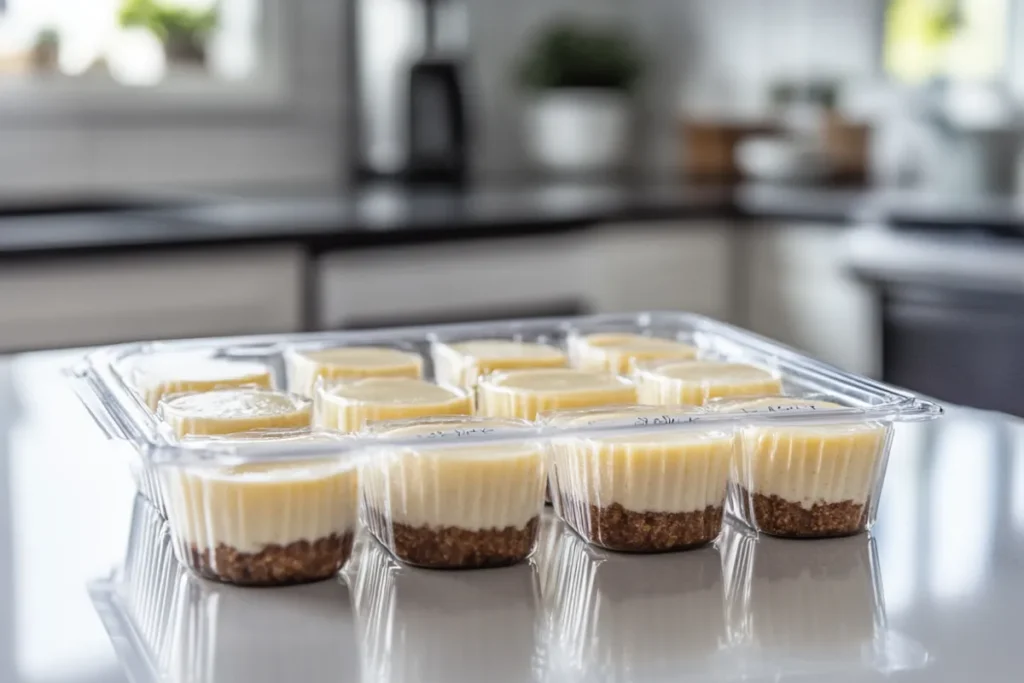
(128, 42)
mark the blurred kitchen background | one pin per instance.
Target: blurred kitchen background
(841, 175)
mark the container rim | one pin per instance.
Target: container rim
(103, 387)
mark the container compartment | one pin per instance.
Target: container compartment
(231, 411)
(105, 379)
(265, 523)
(695, 382)
(658, 484)
(306, 367)
(525, 394)
(349, 406)
(453, 503)
(463, 363)
(807, 480)
(619, 352)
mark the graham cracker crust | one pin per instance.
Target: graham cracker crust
(453, 547)
(616, 528)
(779, 517)
(275, 565)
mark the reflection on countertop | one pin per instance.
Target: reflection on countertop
(934, 595)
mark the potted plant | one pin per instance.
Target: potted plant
(46, 51)
(183, 29)
(580, 77)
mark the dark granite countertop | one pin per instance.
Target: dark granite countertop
(391, 216)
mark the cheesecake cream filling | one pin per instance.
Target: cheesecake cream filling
(474, 487)
(231, 411)
(177, 373)
(249, 507)
(525, 394)
(697, 382)
(644, 473)
(617, 353)
(349, 406)
(306, 368)
(808, 465)
(463, 363)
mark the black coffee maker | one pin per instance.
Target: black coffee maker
(407, 65)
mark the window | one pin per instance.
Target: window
(964, 40)
(99, 47)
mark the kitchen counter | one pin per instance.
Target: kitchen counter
(935, 595)
(384, 216)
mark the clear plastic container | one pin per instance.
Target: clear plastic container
(419, 625)
(614, 617)
(657, 485)
(265, 523)
(168, 625)
(348, 406)
(806, 480)
(105, 381)
(449, 501)
(463, 363)
(525, 394)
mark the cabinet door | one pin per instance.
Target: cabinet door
(678, 265)
(452, 281)
(77, 301)
(800, 293)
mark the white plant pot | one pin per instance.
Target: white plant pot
(579, 131)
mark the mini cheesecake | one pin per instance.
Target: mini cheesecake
(617, 353)
(347, 407)
(179, 373)
(305, 368)
(524, 394)
(656, 488)
(802, 480)
(229, 411)
(452, 503)
(463, 363)
(696, 382)
(265, 522)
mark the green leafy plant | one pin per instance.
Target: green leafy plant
(183, 30)
(569, 54)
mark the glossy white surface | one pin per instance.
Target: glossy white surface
(936, 595)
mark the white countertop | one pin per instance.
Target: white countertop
(935, 595)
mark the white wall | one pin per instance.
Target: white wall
(701, 51)
(297, 143)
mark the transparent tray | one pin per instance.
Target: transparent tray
(105, 382)
(167, 625)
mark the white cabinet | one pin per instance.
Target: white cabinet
(678, 265)
(799, 292)
(616, 267)
(449, 281)
(88, 300)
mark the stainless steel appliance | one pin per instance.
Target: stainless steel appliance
(952, 308)
(406, 68)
